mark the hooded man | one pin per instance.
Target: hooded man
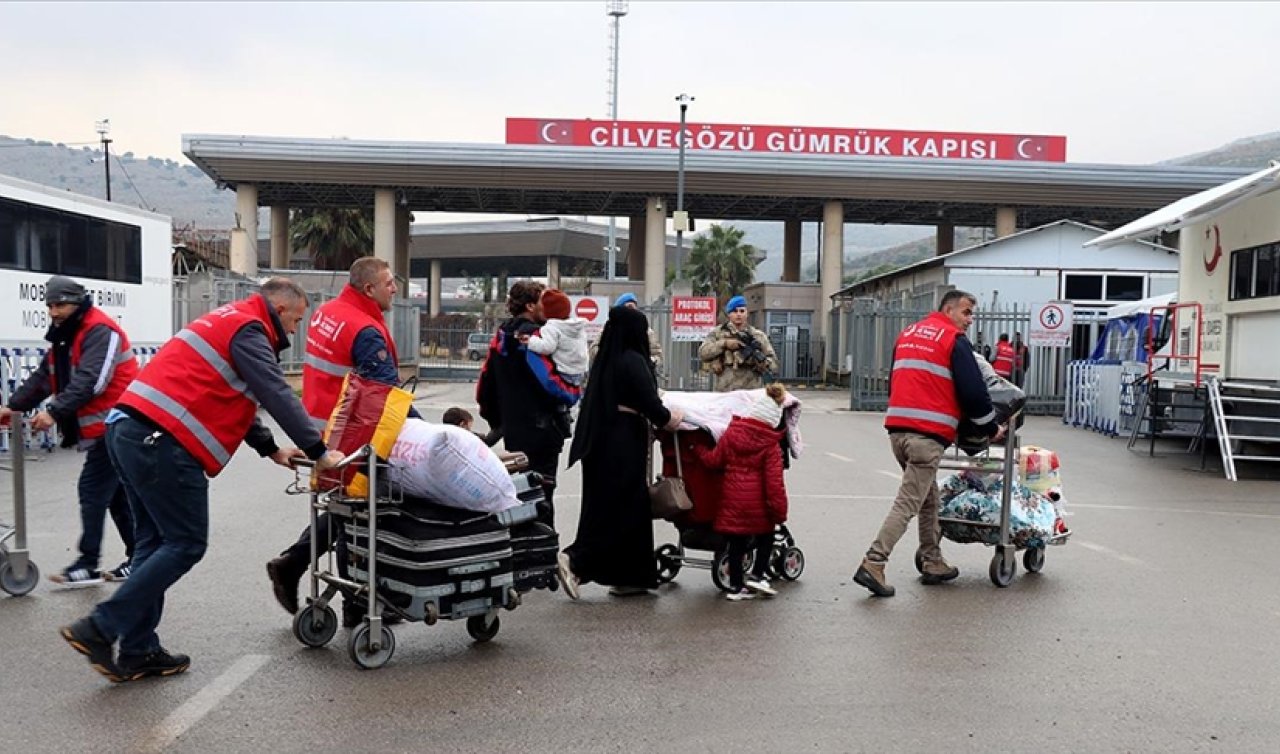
(87, 367)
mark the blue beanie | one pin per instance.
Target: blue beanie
(626, 298)
(734, 303)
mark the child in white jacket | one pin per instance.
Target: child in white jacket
(562, 337)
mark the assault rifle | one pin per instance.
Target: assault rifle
(751, 353)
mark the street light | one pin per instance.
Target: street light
(103, 127)
(680, 218)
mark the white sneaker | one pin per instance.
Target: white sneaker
(740, 595)
(567, 578)
(760, 586)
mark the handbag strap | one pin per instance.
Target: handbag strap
(675, 442)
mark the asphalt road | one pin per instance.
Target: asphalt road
(1153, 629)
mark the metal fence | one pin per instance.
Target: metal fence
(198, 296)
(871, 328)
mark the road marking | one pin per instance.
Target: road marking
(891, 474)
(839, 457)
(1146, 509)
(1117, 555)
(195, 708)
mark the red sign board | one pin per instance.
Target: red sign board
(692, 317)
(719, 137)
(587, 309)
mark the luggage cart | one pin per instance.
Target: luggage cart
(1004, 564)
(372, 643)
(18, 575)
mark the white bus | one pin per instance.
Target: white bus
(121, 255)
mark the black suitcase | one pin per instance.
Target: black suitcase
(535, 546)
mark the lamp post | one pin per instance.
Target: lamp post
(681, 219)
(616, 9)
(103, 127)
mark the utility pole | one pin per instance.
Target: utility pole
(104, 127)
(681, 219)
(616, 10)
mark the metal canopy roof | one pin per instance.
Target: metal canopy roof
(513, 179)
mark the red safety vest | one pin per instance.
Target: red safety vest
(923, 395)
(1003, 362)
(191, 389)
(331, 334)
(118, 371)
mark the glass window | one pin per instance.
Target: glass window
(1241, 274)
(13, 236)
(47, 240)
(1124, 287)
(1264, 266)
(1082, 288)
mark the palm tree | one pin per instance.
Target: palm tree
(720, 264)
(334, 237)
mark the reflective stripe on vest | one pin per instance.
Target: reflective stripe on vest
(927, 366)
(118, 369)
(183, 417)
(328, 367)
(220, 365)
(929, 416)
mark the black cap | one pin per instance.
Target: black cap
(62, 290)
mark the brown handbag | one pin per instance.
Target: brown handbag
(668, 497)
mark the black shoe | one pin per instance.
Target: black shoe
(159, 662)
(285, 575)
(85, 638)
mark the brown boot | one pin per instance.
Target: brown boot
(871, 575)
(937, 571)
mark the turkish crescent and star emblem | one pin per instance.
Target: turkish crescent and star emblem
(1211, 260)
(1031, 148)
(555, 132)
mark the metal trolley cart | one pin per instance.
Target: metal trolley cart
(1004, 564)
(477, 587)
(18, 575)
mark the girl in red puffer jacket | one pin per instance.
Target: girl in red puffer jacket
(755, 498)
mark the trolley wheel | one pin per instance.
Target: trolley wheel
(668, 557)
(792, 564)
(13, 584)
(513, 599)
(919, 562)
(430, 613)
(481, 628)
(314, 626)
(1033, 559)
(1003, 566)
(720, 572)
(363, 654)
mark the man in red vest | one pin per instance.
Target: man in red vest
(1003, 363)
(345, 334)
(86, 369)
(934, 383)
(177, 424)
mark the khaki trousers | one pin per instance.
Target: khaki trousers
(918, 456)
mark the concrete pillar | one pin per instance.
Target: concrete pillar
(635, 248)
(279, 237)
(244, 237)
(433, 289)
(791, 251)
(401, 266)
(1006, 221)
(553, 271)
(832, 270)
(946, 238)
(503, 288)
(655, 248)
(384, 225)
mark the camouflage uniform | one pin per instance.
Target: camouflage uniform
(731, 373)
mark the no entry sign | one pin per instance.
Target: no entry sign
(1051, 324)
(593, 309)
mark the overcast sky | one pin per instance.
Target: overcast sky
(1125, 83)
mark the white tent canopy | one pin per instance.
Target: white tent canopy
(1141, 307)
(1195, 208)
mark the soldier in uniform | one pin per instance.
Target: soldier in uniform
(738, 354)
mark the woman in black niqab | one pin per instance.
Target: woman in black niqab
(614, 544)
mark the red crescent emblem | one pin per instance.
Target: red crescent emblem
(1211, 263)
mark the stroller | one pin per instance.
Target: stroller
(704, 487)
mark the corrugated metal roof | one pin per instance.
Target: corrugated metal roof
(519, 179)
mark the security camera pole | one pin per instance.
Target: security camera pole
(680, 219)
(103, 127)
